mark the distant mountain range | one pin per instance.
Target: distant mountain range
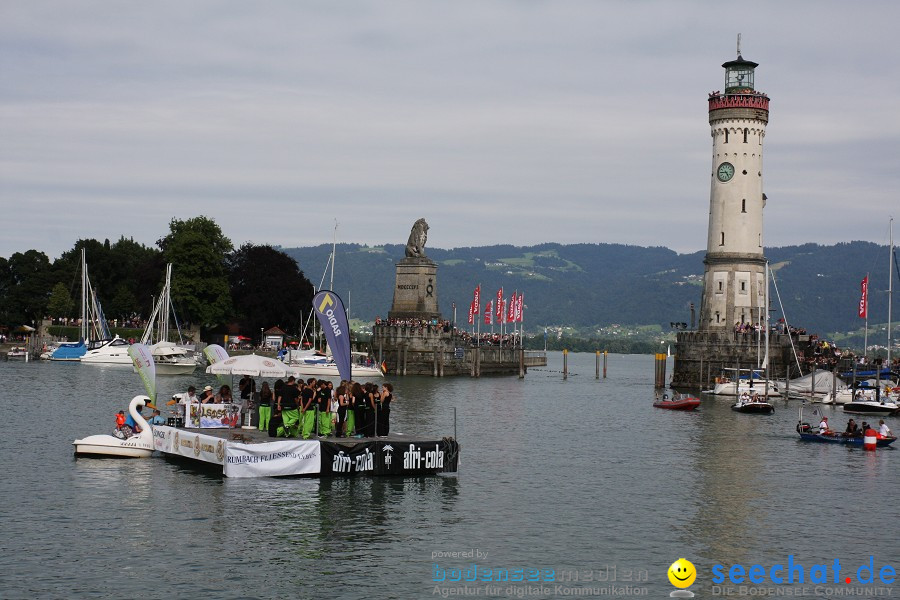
(596, 285)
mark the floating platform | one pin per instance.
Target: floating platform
(252, 453)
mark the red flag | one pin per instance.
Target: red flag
(864, 298)
(502, 312)
(511, 313)
(499, 314)
(471, 312)
(476, 303)
(488, 312)
(519, 302)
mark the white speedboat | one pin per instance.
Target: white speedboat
(865, 405)
(17, 353)
(139, 445)
(172, 359)
(310, 363)
(107, 352)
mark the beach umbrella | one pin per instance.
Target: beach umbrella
(248, 364)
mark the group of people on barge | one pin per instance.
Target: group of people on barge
(298, 408)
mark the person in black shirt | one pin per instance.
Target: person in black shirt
(343, 405)
(359, 407)
(287, 404)
(323, 400)
(384, 410)
(308, 409)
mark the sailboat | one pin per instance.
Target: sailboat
(756, 401)
(170, 358)
(74, 351)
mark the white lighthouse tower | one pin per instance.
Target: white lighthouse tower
(734, 279)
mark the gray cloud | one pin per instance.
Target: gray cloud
(501, 122)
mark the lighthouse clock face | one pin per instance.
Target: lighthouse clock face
(725, 171)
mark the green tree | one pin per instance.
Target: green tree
(268, 289)
(60, 303)
(29, 280)
(197, 249)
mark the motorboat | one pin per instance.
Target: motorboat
(172, 359)
(139, 445)
(17, 353)
(678, 402)
(311, 363)
(836, 437)
(868, 406)
(755, 405)
(107, 352)
(809, 433)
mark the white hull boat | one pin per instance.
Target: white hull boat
(108, 352)
(309, 363)
(139, 445)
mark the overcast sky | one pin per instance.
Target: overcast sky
(498, 121)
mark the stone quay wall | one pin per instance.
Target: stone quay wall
(700, 356)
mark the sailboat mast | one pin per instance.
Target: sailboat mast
(890, 293)
(333, 252)
(84, 293)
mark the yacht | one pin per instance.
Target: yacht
(107, 352)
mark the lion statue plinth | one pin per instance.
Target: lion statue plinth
(415, 247)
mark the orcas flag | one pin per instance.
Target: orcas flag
(330, 311)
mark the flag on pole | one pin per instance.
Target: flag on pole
(864, 298)
(499, 313)
(511, 314)
(519, 303)
(488, 312)
(472, 312)
(476, 303)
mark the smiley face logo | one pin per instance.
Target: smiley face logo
(682, 573)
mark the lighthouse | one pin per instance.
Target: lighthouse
(734, 275)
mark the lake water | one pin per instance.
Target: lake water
(575, 476)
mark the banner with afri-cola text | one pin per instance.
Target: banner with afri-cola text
(330, 310)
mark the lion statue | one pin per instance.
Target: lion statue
(415, 247)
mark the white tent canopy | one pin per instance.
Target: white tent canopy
(248, 364)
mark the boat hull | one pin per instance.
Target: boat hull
(840, 439)
(682, 404)
(870, 408)
(330, 370)
(137, 446)
(754, 408)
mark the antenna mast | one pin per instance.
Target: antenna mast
(739, 45)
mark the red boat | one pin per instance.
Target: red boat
(678, 402)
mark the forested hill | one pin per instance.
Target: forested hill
(594, 285)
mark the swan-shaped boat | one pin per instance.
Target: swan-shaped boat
(140, 445)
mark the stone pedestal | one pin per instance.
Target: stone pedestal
(415, 290)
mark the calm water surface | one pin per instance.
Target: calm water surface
(581, 474)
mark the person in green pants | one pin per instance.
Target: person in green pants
(308, 408)
(265, 406)
(287, 402)
(323, 401)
